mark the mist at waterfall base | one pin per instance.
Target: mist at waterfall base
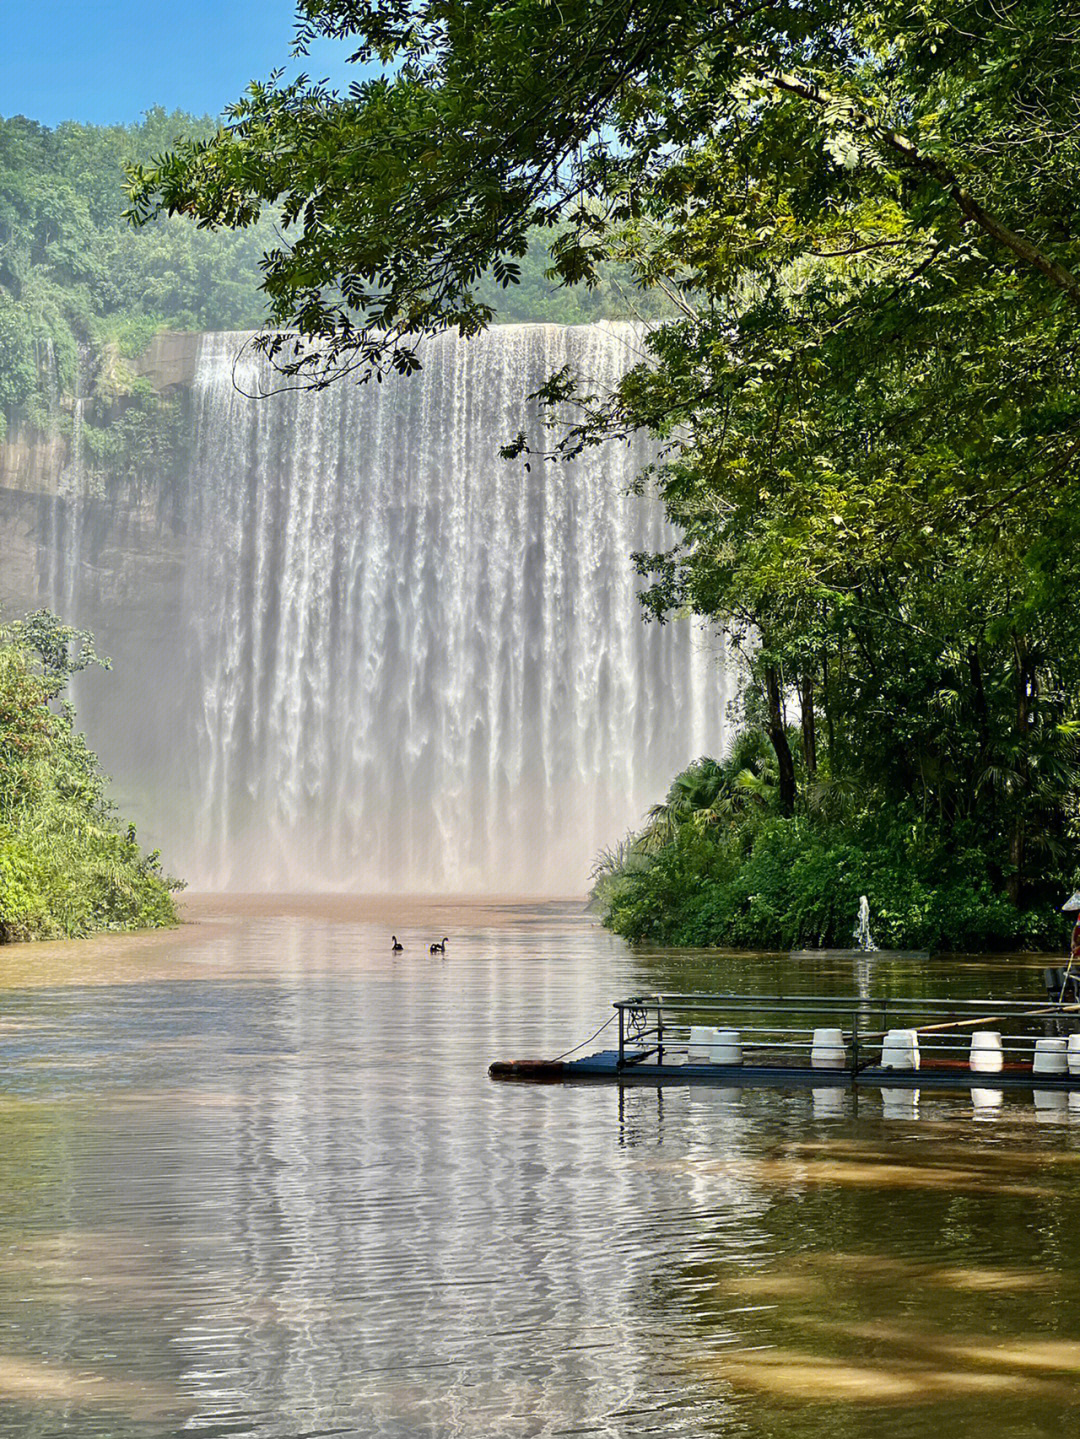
(393, 661)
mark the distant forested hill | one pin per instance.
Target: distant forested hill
(74, 274)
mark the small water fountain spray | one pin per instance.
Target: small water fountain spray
(863, 938)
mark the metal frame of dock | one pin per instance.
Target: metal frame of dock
(776, 1040)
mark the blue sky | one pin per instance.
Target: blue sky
(107, 63)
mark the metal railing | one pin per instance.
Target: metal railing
(777, 1031)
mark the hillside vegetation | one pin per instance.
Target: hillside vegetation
(81, 291)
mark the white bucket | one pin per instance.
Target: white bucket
(1072, 1053)
(726, 1047)
(1050, 1057)
(828, 1050)
(900, 1049)
(700, 1042)
(986, 1052)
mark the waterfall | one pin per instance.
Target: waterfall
(413, 666)
(67, 507)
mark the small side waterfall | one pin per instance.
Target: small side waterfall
(414, 666)
(68, 510)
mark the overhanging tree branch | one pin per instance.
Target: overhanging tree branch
(910, 153)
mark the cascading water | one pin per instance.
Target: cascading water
(415, 666)
(861, 934)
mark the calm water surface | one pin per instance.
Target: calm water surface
(254, 1180)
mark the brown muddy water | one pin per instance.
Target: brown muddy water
(254, 1180)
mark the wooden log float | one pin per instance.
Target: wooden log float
(530, 1071)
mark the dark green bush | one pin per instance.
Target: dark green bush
(758, 880)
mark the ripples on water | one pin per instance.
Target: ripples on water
(254, 1180)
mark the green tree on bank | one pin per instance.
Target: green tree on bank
(68, 865)
(742, 874)
(865, 215)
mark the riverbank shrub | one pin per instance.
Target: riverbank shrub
(743, 875)
(69, 866)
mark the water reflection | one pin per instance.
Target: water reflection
(830, 1103)
(267, 1189)
(987, 1102)
(900, 1103)
(1051, 1105)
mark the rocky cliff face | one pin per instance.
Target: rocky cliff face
(109, 556)
(170, 360)
(33, 461)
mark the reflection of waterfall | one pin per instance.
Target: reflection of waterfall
(416, 666)
(864, 975)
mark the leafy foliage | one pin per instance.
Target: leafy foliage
(767, 132)
(68, 865)
(753, 877)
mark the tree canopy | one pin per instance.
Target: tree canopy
(759, 131)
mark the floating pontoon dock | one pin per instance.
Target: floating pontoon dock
(823, 1040)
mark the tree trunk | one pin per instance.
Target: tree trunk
(830, 728)
(972, 799)
(778, 736)
(981, 710)
(809, 724)
(1014, 885)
